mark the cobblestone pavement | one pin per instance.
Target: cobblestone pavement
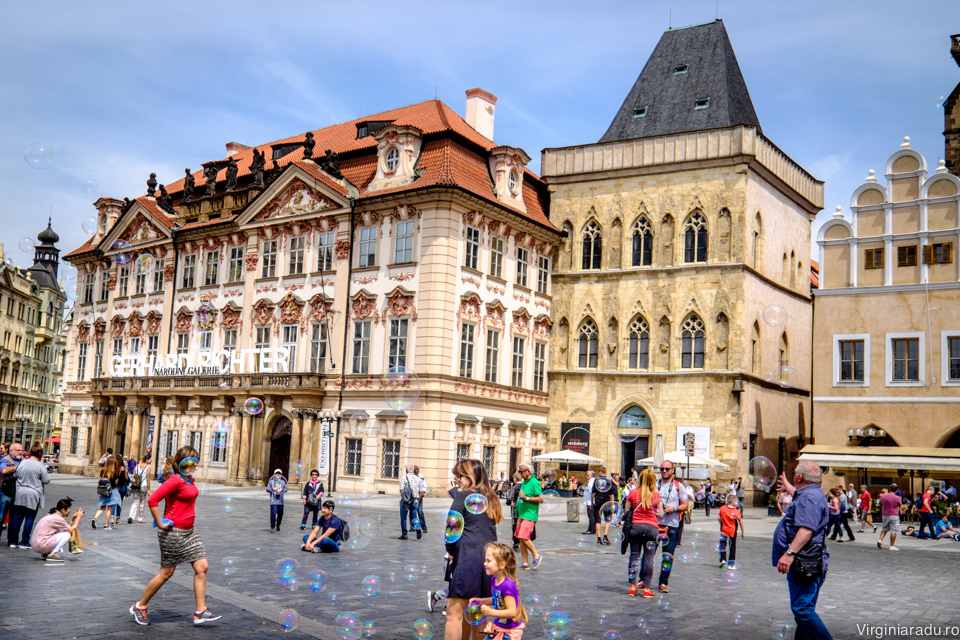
(89, 595)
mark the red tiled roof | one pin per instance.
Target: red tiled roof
(151, 207)
(815, 274)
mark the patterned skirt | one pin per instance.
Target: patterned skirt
(179, 546)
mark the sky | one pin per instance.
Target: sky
(122, 89)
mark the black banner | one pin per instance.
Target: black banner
(575, 436)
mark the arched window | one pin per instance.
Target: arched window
(589, 345)
(757, 241)
(695, 239)
(783, 358)
(591, 245)
(642, 243)
(755, 348)
(639, 344)
(691, 346)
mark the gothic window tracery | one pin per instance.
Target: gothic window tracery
(695, 239)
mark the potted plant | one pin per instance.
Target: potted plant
(772, 509)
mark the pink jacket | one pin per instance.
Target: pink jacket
(43, 539)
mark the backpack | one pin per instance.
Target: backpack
(9, 486)
(137, 480)
(406, 494)
(103, 487)
(919, 501)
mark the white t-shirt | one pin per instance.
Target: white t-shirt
(588, 492)
(672, 494)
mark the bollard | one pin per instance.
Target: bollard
(573, 511)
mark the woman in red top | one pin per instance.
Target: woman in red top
(179, 541)
(647, 508)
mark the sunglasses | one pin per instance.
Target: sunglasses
(662, 469)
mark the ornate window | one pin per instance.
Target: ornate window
(235, 271)
(639, 344)
(392, 159)
(692, 343)
(589, 345)
(390, 464)
(592, 244)
(695, 239)
(325, 251)
(523, 263)
(642, 243)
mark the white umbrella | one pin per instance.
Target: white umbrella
(568, 458)
(658, 451)
(680, 458)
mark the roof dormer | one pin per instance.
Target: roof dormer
(398, 150)
(507, 165)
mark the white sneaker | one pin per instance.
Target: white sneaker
(894, 549)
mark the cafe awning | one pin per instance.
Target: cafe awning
(891, 458)
(55, 440)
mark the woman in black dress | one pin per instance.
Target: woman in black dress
(467, 577)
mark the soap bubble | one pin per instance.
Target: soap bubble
(557, 625)
(534, 604)
(423, 629)
(220, 433)
(227, 504)
(393, 577)
(8, 261)
(253, 406)
(348, 626)
(732, 572)
(287, 566)
(333, 598)
(555, 602)
(690, 551)
(70, 289)
(626, 427)
(358, 423)
(453, 527)
(289, 620)
(651, 545)
(318, 581)
(583, 542)
(633, 572)
(144, 263)
(415, 524)
(549, 476)
(39, 155)
(89, 185)
(611, 635)
(120, 250)
(411, 573)
(360, 532)
(939, 102)
(297, 470)
(641, 622)
(68, 272)
(666, 605)
(774, 315)
(783, 630)
(369, 629)
(602, 619)
(476, 503)
(424, 570)
(401, 388)
(473, 616)
(762, 473)
(666, 562)
(737, 618)
(229, 566)
(617, 537)
(602, 485)
(370, 586)
(89, 225)
(787, 376)
(551, 501)
(610, 512)
(27, 245)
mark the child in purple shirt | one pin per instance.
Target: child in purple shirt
(506, 616)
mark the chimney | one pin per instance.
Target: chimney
(234, 147)
(480, 111)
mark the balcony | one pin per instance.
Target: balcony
(212, 384)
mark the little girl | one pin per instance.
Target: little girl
(500, 564)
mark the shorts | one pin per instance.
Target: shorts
(180, 546)
(891, 524)
(501, 633)
(524, 529)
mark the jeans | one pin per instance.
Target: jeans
(25, 516)
(412, 510)
(326, 544)
(276, 515)
(803, 602)
(6, 505)
(307, 510)
(423, 523)
(926, 520)
(640, 535)
(669, 547)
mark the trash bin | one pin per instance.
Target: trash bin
(573, 511)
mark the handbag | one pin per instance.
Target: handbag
(808, 562)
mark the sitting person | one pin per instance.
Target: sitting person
(943, 529)
(327, 536)
(53, 532)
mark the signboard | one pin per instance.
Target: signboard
(575, 436)
(150, 427)
(323, 466)
(701, 442)
(203, 363)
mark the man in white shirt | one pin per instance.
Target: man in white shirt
(675, 501)
(852, 501)
(588, 503)
(411, 492)
(423, 485)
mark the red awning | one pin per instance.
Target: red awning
(56, 440)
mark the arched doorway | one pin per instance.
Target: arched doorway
(280, 447)
(637, 449)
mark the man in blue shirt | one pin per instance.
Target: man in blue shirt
(8, 466)
(805, 521)
(327, 535)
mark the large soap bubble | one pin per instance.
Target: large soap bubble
(89, 185)
(120, 251)
(783, 630)
(533, 604)
(610, 512)
(89, 225)
(39, 155)
(227, 504)
(473, 615)
(602, 485)
(774, 315)
(370, 586)
(318, 581)
(229, 565)
(411, 572)
(27, 245)
(557, 625)
(551, 501)
(369, 629)
(549, 476)
(253, 406)
(626, 427)
(401, 388)
(476, 503)
(732, 572)
(360, 532)
(143, 263)
(453, 527)
(423, 629)
(348, 626)
(289, 620)
(762, 473)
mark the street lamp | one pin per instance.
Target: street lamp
(326, 416)
(866, 436)
(23, 419)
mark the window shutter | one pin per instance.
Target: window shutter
(901, 256)
(927, 254)
(948, 252)
(878, 258)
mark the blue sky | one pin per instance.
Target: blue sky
(120, 89)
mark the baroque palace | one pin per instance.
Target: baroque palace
(682, 225)
(299, 273)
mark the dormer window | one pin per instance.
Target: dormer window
(640, 112)
(680, 68)
(392, 159)
(513, 181)
(701, 103)
(362, 131)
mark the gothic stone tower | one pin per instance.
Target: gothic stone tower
(951, 116)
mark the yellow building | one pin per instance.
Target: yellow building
(684, 224)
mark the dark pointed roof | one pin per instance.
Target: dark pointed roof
(670, 98)
(48, 235)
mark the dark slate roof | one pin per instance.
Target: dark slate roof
(669, 97)
(41, 274)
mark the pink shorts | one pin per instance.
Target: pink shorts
(499, 633)
(524, 529)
